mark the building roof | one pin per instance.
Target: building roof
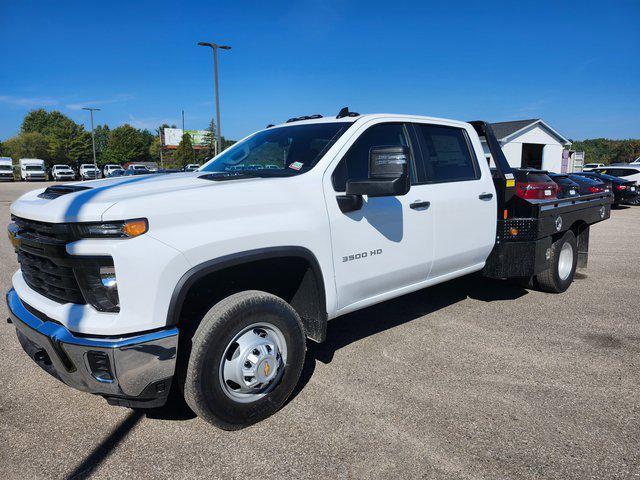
(505, 130)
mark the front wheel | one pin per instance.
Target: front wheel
(563, 262)
(246, 358)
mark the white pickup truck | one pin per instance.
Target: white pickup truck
(62, 172)
(88, 171)
(208, 284)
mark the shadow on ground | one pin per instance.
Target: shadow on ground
(105, 448)
(355, 326)
(341, 332)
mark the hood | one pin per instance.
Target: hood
(87, 201)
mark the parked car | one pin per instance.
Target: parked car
(211, 292)
(110, 169)
(32, 169)
(590, 166)
(624, 191)
(192, 167)
(628, 172)
(138, 166)
(88, 171)
(567, 187)
(136, 171)
(62, 172)
(588, 185)
(6, 169)
(534, 184)
(168, 170)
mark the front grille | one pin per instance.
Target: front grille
(53, 281)
(57, 233)
(41, 273)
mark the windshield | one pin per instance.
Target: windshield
(5, 167)
(62, 168)
(33, 168)
(281, 151)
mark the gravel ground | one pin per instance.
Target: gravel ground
(469, 379)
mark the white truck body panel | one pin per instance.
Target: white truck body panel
(31, 169)
(6, 168)
(194, 220)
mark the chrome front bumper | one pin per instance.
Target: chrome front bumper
(130, 371)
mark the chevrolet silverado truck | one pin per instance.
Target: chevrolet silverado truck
(208, 284)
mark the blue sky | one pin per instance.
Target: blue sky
(575, 64)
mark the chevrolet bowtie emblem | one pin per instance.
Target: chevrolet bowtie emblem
(267, 368)
(14, 238)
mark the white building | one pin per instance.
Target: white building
(530, 143)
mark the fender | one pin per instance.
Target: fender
(315, 323)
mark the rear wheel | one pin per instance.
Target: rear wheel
(246, 358)
(563, 261)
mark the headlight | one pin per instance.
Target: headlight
(99, 286)
(121, 229)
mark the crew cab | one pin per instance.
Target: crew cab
(208, 284)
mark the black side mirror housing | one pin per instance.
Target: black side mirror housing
(388, 173)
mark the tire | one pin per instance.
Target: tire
(558, 277)
(263, 318)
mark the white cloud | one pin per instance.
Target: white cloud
(29, 101)
(149, 123)
(123, 97)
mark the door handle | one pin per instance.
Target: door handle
(485, 196)
(419, 205)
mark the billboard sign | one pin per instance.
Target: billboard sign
(172, 137)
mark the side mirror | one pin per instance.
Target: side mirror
(388, 173)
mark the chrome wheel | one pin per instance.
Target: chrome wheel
(253, 362)
(565, 261)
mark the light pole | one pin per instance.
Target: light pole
(93, 138)
(214, 48)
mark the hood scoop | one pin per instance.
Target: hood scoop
(59, 190)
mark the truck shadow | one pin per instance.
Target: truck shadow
(102, 451)
(361, 324)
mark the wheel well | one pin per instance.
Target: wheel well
(295, 279)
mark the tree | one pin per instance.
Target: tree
(1, 148)
(27, 145)
(101, 135)
(126, 144)
(210, 140)
(184, 153)
(154, 150)
(603, 150)
(68, 141)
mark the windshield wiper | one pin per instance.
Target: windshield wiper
(221, 176)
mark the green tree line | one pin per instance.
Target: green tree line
(55, 138)
(604, 150)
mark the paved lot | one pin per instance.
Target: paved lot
(470, 379)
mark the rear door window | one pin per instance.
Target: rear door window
(447, 155)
